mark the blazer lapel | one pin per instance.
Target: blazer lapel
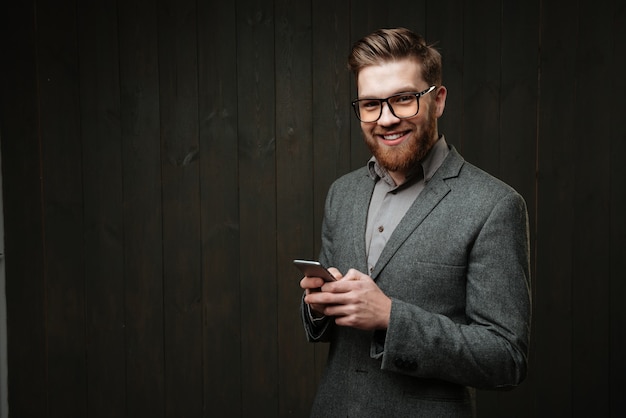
(433, 193)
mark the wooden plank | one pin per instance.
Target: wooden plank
(332, 116)
(143, 235)
(617, 208)
(257, 197)
(21, 187)
(63, 226)
(294, 188)
(219, 181)
(590, 248)
(182, 284)
(552, 333)
(103, 213)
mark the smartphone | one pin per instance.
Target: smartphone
(314, 269)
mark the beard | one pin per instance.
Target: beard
(405, 156)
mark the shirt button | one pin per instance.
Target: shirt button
(381, 228)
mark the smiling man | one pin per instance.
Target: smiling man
(431, 255)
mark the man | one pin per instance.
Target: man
(431, 256)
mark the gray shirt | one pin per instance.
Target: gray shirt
(390, 201)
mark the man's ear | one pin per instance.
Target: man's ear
(440, 100)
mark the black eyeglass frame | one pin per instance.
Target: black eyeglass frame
(355, 104)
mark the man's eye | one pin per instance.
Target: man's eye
(370, 104)
(404, 98)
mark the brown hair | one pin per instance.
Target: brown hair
(395, 44)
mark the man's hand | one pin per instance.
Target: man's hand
(314, 285)
(354, 300)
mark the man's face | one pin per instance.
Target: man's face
(399, 144)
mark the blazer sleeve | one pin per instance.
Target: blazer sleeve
(490, 349)
(317, 330)
(320, 330)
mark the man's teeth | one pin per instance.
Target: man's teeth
(391, 137)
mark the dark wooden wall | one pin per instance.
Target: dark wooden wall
(163, 163)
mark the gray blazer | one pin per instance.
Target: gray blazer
(457, 270)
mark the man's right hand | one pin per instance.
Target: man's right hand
(314, 284)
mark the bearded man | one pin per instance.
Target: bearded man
(431, 256)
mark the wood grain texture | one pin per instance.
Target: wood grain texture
(258, 213)
(219, 181)
(23, 214)
(180, 182)
(143, 210)
(617, 225)
(164, 162)
(294, 200)
(63, 217)
(103, 229)
(556, 191)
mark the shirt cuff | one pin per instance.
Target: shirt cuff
(312, 317)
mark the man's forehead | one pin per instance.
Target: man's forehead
(396, 76)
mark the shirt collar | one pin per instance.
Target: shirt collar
(426, 169)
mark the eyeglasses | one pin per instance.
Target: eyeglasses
(401, 105)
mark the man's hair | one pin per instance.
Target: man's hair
(387, 45)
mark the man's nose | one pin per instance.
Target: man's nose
(386, 116)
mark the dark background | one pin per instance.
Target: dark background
(163, 163)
